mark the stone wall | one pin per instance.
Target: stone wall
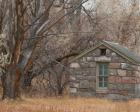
(123, 80)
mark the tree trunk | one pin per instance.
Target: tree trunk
(60, 91)
(11, 83)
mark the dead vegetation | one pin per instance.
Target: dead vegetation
(69, 105)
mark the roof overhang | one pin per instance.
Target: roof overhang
(100, 43)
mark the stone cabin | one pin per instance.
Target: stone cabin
(106, 70)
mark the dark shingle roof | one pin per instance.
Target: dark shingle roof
(119, 49)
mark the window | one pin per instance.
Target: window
(103, 52)
(103, 75)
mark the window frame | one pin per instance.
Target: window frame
(98, 75)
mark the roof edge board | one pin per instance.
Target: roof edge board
(86, 51)
(121, 54)
(108, 46)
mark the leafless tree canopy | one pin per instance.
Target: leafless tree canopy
(38, 37)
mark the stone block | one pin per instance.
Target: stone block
(121, 72)
(101, 91)
(90, 77)
(137, 90)
(93, 71)
(84, 59)
(90, 59)
(73, 90)
(80, 77)
(138, 68)
(118, 79)
(84, 84)
(123, 92)
(108, 52)
(74, 65)
(119, 86)
(93, 54)
(75, 85)
(112, 72)
(113, 54)
(138, 80)
(122, 60)
(102, 59)
(86, 94)
(128, 80)
(133, 80)
(112, 86)
(72, 78)
(78, 72)
(92, 64)
(114, 65)
(129, 87)
(130, 73)
(117, 59)
(134, 67)
(111, 79)
(117, 97)
(92, 84)
(137, 73)
(128, 66)
(113, 91)
(84, 72)
(97, 52)
(84, 64)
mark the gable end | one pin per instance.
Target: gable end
(104, 43)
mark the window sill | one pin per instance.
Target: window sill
(102, 90)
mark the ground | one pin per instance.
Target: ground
(69, 105)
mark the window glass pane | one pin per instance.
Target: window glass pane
(105, 84)
(100, 84)
(100, 72)
(105, 79)
(101, 79)
(100, 69)
(105, 69)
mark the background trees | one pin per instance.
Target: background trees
(38, 37)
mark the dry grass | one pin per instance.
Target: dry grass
(68, 105)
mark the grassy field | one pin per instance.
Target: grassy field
(68, 105)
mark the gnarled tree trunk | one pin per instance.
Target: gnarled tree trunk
(25, 24)
(11, 83)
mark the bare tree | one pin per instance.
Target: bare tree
(26, 22)
(116, 20)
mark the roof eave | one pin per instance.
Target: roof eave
(122, 54)
(87, 51)
(108, 46)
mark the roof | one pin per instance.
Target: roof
(119, 49)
